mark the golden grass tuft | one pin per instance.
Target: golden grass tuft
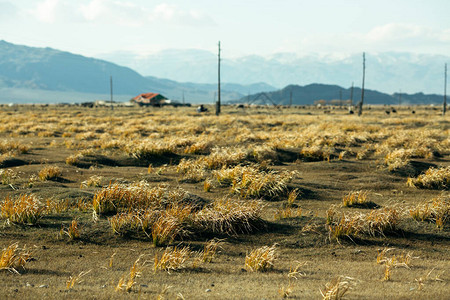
(24, 209)
(437, 210)
(376, 223)
(77, 279)
(8, 176)
(118, 197)
(128, 281)
(397, 159)
(434, 178)
(287, 212)
(210, 249)
(356, 198)
(165, 229)
(229, 216)
(250, 182)
(337, 288)
(261, 259)
(49, 173)
(12, 258)
(172, 259)
(73, 231)
(93, 181)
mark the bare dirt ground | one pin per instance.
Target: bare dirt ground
(332, 153)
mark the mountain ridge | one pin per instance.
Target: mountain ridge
(390, 72)
(29, 74)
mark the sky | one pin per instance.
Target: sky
(244, 27)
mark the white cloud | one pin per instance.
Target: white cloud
(7, 9)
(46, 11)
(400, 37)
(395, 32)
(113, 12)
(170, 13)
(92, 10)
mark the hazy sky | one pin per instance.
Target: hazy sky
(91, 27)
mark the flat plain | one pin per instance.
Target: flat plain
(257, 203)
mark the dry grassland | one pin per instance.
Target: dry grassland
(259, 203)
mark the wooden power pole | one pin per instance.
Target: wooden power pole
(218, 85)
(444, 106)
(362, 89)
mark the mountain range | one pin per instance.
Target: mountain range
(390, 72)
(310, 94)
(29, 74)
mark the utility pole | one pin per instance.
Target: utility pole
(351, 95)
(362, 89)
(444, 106)
(111, 90)
(218, 85)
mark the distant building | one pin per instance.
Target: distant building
(153, 99)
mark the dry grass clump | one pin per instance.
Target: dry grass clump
(287, 212)
(24, 209)
(264, 153)
(13, 258)
(401, 260)
(375, 223)
(162, 225)
(165, 224)
(73, 231)
(128, 281)
(149, 149)
(423, 279)
(74, 159)
(117, 197)
(437, 210)
(192, 170)
(172, 259)
(337, 288)
(228, 216)
(70, 283)
(166, 228)
(434, 178)
(49, 173)
(128, 222)
(316, 153)
(225, 156)
(260, 259)
(93, 181)
(358, 199)
(397, 159)
(380, 222)
(355, 198)
(8, 176)
(13, 147)
(199, 147)
(210, 250)
(250, 182)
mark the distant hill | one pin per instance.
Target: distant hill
(308, 94)
(49, 69)
(30, 74)
(385, 71)
(45, 75)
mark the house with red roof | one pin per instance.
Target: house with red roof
(153, 99)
